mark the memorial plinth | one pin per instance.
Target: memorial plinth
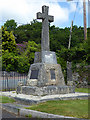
(45, 76)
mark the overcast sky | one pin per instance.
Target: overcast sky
(24, 11)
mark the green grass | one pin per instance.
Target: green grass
(84, 90)
(29, 116)
(5, 99)
(73, 108)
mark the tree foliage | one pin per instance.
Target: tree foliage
(20, 45)
(17, 57)
(29, 32)
(11, 25)
(8, 40)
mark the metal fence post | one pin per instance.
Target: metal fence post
(3, 83)
(7, 83)
(14, 80)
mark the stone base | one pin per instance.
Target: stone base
(47, 90)
(47, 57)
(42, 74)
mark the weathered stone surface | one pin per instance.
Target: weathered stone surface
(45, 57)
(44, 74)
(28, 90)
(45, 27)
(32, 82)
(18, 90)
(49, 57)
(70, 83)
(52, 72)
(46, 90)
(34, 74)
(69, 73)
(80, 79)
(37, 58)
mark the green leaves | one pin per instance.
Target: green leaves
(32, 47)
(14, 58)
(29, 32)
(23, 64)
(8, 40)
(8, 61)
(11, 25)
(19, 56)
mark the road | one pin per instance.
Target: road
(6, 114)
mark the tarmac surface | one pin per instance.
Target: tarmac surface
(7, 114)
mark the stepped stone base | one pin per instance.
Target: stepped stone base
(47, 90)
(45, 77)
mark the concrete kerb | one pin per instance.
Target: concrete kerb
(11, 108)
(34, 114)
(29, 99)
(19, 110)
(30, 102)
(33, 101)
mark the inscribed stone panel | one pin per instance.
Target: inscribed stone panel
(34, 74)
(52, 74)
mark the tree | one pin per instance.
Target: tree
(29, 32)
(31, 48)
(8, 50)
(23, 64)
(28, 39)
(8, 40)
(11, 25)
(9, 61)
(58, 38)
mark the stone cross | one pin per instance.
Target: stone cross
(45, 27)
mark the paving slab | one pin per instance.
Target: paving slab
(19, 108)
(30, 99)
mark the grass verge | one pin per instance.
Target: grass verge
(84, 90)
(5, 99)
(29, 116)
(73, 108)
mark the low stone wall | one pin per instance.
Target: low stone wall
(47, 90)
(80, 77)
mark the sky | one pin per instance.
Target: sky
(24, 11)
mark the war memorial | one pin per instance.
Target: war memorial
(45, 76)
